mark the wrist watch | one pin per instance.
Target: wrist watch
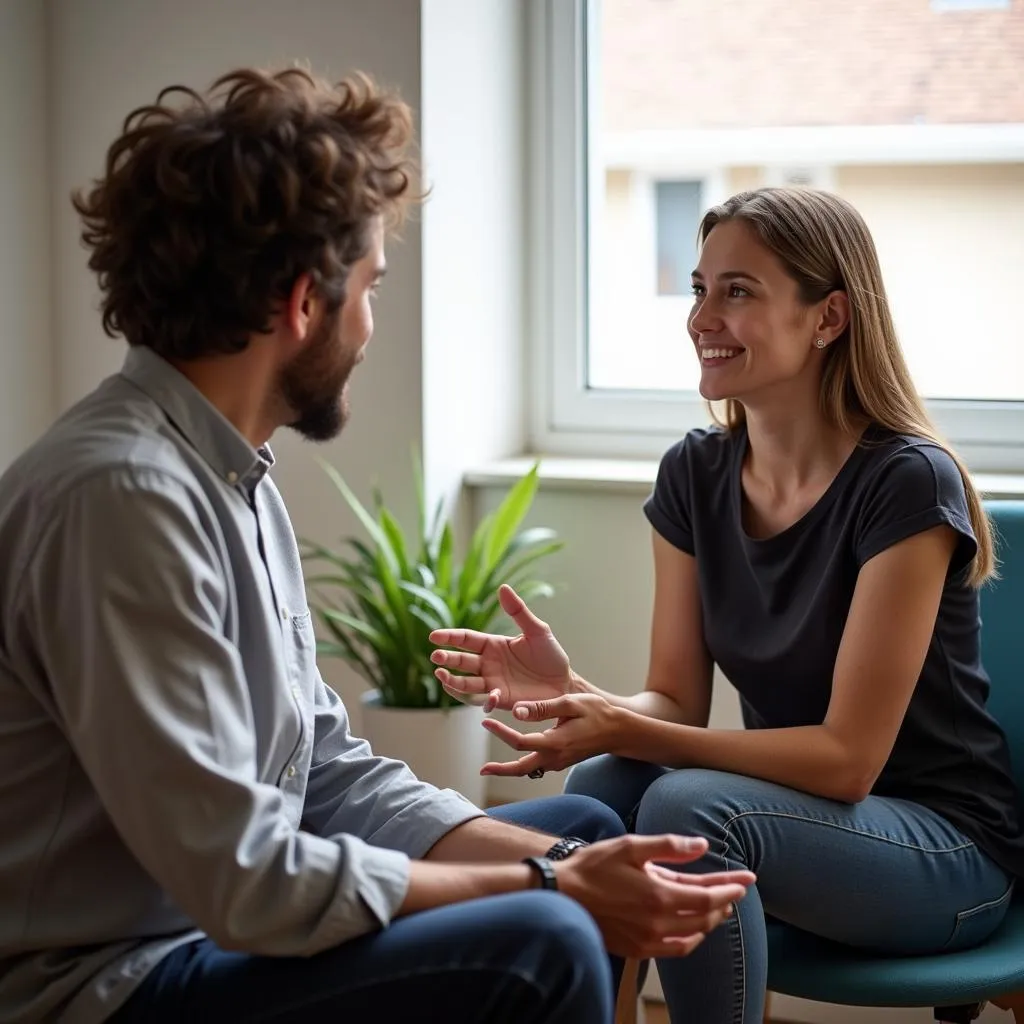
(542, 865)
(565, 847)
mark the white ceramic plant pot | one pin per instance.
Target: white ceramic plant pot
(444, 746)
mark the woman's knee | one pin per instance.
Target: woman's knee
(618, 782)
(692, 801)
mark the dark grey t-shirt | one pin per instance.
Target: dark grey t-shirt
(775, 609)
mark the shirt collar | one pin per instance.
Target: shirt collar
(226, 451)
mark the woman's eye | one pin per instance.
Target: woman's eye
(736, 292)
(698, 290)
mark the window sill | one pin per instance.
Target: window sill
(636, 476)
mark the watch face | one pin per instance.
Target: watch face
(566, 846)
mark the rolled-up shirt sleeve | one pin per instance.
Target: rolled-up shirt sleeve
(125, 601)
(351, 788)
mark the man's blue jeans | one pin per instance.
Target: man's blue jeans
(888, 875)
(533, 957)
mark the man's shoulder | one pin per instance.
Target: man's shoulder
(115, 436)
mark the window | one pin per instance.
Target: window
(648, 112)
(677, 206)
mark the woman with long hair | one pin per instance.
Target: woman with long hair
(824, 548)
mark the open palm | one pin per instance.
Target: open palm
(501, 670)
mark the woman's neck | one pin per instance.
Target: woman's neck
(789, 453)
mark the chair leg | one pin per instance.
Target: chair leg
(958, 1014)
(1014, 1003)
(767, 1008)
(626, 1003)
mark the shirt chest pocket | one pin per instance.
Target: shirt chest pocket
(300, 657)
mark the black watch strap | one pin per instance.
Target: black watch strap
(565, 847)
(543, 868)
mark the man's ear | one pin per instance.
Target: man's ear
(302, 308)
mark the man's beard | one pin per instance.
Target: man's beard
(314, 385)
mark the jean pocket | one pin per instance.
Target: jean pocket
(974, 925)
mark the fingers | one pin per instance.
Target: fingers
(523, 766)
(515, 608)
(461, 661)
(487, 701)
(566, 706)
(468, 639)
(518, 740)
(714, 878)
(460, 684)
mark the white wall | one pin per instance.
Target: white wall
(473, 253)
(26, 295)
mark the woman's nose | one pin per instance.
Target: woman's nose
(703, 317)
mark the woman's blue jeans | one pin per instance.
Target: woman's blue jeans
(884, 874)
(530, 957)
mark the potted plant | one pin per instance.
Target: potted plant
(379, 596)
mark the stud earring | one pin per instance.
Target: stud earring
(820, 342)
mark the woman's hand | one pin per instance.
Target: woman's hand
(504, 670)
(587, 725)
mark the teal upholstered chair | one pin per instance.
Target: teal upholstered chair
(957, 985)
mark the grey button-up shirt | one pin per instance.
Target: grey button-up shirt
(171, 762)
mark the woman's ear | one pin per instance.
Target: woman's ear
(835, 316)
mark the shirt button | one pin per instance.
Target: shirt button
(284, 614)
(291, 771)
(295, 691)
(232, 477)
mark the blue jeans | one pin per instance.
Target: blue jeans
(884, 874)
(532, 957)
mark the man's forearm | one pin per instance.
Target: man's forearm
(439, 885)
(484, 840)
(478, 858)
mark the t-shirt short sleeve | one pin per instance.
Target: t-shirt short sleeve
(917, 488)
(668, 507)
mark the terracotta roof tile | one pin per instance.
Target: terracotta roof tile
(672, 64)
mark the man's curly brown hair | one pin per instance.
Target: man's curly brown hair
(213, 206)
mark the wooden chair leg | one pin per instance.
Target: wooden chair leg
(1014, 1003)
(626, 1002)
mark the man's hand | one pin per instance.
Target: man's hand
(643, 908)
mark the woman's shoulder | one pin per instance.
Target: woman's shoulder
(703, 448)
(910, 460)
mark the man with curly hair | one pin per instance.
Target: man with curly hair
(188, 828)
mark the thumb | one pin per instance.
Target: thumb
(515, 608)
(566, 706)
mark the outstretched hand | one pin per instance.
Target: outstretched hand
(644, 908)
(498, 671)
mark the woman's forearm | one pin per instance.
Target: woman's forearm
(649, 703)
(809, 758)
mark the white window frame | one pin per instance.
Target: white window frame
(565, 416)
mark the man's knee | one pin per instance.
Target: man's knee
(589, 818)
(563, 952)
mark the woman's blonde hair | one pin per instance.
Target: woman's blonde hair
(825, 246)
